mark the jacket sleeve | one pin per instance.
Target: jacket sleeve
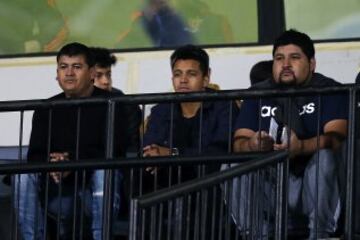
(38, 139)
(133, 117)
(157, 128)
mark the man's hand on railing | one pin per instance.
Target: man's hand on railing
(296, 145)
(155, 150)
(261, 141)
(57, 157)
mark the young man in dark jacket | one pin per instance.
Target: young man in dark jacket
(192, 128)
(189, 129)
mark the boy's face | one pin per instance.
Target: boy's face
(188, 77)
(103, 78)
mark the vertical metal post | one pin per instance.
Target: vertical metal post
(171, 144)
(349, 205)
(179, 209)
(318, 127)
(229, 201)
(153, 222)
(281, 200)
(204, 214)
(47, 178)
(230, 136)
(188, 217)
(77, 228)
(161, 221)
(282, 184)
(108, 187)
(133, 219)
(15, 214)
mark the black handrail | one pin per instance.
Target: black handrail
(152, 98)
(210, 180)
(121, 163)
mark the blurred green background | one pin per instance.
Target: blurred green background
(324, 19)
(45, 25)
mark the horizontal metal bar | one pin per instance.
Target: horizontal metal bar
(104, 163)
(171, 97)
(210, 180)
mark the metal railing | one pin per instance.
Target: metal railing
(139, 163)
(139, 228)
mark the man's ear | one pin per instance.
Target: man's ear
(92, 73)
(312, 64)
(207, 79)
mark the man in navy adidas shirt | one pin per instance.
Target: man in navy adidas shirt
(258, 123)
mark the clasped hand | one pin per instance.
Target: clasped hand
(58, 157)
(262, 141)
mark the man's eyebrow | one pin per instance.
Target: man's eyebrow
(278, 54)
(72, 64)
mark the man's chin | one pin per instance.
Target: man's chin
(184, 90)
(287, 82)
(72, 92)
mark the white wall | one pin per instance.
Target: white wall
(146, 72)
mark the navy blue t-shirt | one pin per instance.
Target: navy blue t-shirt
(255, 114)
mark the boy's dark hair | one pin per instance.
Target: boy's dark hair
(75, 49)
(191, 52)
(297, 38)
(261, 71)
(103, 57)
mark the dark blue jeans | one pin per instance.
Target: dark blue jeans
(31, 215)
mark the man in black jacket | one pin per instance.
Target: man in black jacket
(74, 133)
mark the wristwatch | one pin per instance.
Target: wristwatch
(174, 152)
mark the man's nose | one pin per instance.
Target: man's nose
(70, 71)
(184, 78)
(105, 80)
(286, 63)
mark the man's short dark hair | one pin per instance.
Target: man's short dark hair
(103, 57)
(261, 71)
(191, 52)
(76, 49)
(297, 38)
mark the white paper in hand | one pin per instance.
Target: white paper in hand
(277, 133)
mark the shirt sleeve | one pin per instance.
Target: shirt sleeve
(156, 128)
(334, 107)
